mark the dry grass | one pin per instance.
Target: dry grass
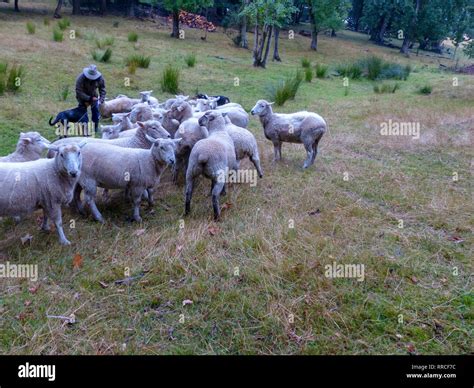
(409, 271)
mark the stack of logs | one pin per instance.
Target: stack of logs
(195, 21)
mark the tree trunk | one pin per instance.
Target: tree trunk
(57, 11)
(255, 44)
(269, 41)
(16, 6)
(314, 31)
(175, 33)
(333, 33)
(276, 54)
(76, 7)
(244, 42)
(130, 9)
(381, 35)
(410, 30)
(405, 45)
(103, 7)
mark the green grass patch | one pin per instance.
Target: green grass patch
(308, 74)
(63, 23)
(132, 37)
(138, 60)
(30, 27)
(305, 63)
(170, 79)
(286, 90)
(102, 56)
(321, 70)
(105, 42)
(386, 88)
(425, 89)
(58, 35)
(190, 60)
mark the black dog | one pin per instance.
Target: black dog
(75, 115)
(69, 116)
(221, 100)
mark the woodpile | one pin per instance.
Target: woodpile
(193, 20)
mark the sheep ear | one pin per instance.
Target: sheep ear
(271, 103)
(177, 140)
(141, 124)
(53, 147)
(82, 144)
(26, 140)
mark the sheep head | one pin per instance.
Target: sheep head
(153, 129)
(163, 150)
(68, 158)
(34, 142)
(212, 120)
(261, 108)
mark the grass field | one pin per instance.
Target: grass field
(257, 278)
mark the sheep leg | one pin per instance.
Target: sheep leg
(216, 192)
(315, 148)
(151, 200)
(76, 200)
(55, 214)
(136, 200)
(277, 150)
(45, 225)
(90, 193)
(309, 155)
(256, 162)
(188, 194)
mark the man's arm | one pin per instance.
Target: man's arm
(80, 94)
(102, 91)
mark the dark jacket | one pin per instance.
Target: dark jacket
(86, 89)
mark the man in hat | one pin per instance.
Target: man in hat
(87, 84)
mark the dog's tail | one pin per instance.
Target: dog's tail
(52, 123)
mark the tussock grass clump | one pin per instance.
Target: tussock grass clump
(138, 60)
(132, 37)
(58, 35)
(386, 88)
(170, 80)
(321, 70)
(11, 81)
(190, 60)
(102, 43)
(287, 89)
(30, 27)
(3, 75)
(308, 74)
(46, 22)
(64, 23)
(425, 89)
(102, 56)
(351, 70)
(305, 63)
(377, 69)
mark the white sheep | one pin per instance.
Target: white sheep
(300, 127)
(117, 105)
(245, 145)
(146, 97)
(212, 157)
(134, 170)
(236, 114)
(30, 146)
(123, 127)
(151, 128)
(43, 183)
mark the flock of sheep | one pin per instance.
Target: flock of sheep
(202, 136)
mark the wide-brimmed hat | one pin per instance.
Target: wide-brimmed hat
(91, 72)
